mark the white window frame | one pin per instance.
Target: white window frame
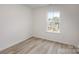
(48, 23)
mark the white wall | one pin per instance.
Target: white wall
(17, 21)
(15, 24)
(68, 25)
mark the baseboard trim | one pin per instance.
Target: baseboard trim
(41, 38)
(54, 41)
(2, 49)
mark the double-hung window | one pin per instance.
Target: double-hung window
(53, 21)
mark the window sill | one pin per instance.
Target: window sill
(54, 32)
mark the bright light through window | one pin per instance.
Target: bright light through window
(53, 22)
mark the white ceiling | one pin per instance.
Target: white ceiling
(41, 5)
(36, 5)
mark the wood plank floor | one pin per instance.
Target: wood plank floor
(40, 46)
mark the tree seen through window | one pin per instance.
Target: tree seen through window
(53, 22)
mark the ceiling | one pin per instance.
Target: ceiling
(42, 5)
(36, 5)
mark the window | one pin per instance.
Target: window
(53, 22)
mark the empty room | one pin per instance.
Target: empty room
(39, 28)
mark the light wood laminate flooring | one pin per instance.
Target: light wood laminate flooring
(39, 46)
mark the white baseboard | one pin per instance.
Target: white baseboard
(16, 42)
(52, 40)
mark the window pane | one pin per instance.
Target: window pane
(53, 22)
